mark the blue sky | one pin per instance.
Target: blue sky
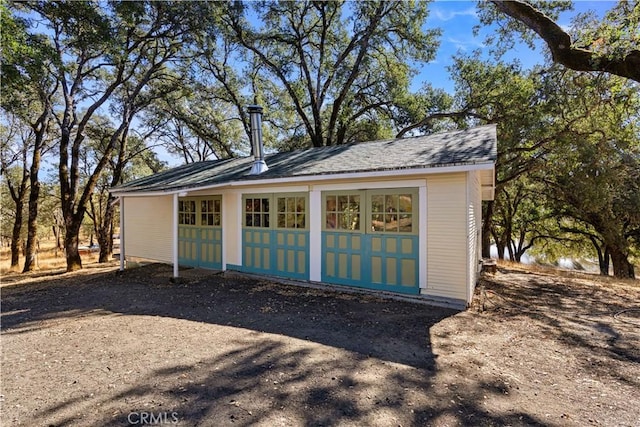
(457, 19)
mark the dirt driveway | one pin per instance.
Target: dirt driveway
(101, 349)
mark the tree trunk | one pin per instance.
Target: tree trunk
(18, 195)
(603, 256)
(622, 268)
(486, 229)
(15, 236)
(511, 250)
(517, 255)
(40, 129)
(74, 262)
(32, 223)
(604, 264)
(105, 233)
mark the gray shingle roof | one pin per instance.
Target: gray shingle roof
(468, 147)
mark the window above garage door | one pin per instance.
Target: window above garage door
(288, 209)
(371, 211)
(201, 211)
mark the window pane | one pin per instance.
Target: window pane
(355, 201)
(291, 204)
(331, 203)
(301, 219)
(377, 203)
(391, 203)
(343, 203)
(291, 220)
(331, 220)
(355, 222)
(405, 203)
(390, 222)
(300, 204)
(216, 219)
(248, 220)
(350, 221)
(405, 223)
(265, 219)
(216, 206)
(282, 206)
(281, 220)
(256, 220)
(265, 205)
(377, 222)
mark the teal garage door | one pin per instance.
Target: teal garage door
(275, 235)
(370, 239)
(200, 232)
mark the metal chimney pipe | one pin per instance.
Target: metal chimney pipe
(259, 165)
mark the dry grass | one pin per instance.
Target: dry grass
(47, 258)
(568, 274)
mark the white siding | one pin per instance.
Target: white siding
(147, 222)
(474, 220)
(447, 244)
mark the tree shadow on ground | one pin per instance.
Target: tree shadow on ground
(379, 368)
(581, 316)
(387, 329)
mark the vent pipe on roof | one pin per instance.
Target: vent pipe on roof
(259, 165)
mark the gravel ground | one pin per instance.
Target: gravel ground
(98, 348)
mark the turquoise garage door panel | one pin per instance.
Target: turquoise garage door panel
(276, 252)
(376, 261)
(200, 247)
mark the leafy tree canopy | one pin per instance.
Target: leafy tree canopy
(609, 45)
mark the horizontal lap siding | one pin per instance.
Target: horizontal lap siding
(148, 232)
(474, 236)
(447, 236)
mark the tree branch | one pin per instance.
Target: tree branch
(559, 42)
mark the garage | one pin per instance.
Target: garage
(401, 216)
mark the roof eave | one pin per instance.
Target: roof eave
(376, 174)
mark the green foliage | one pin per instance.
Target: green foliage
(337, 66)
(614, 35)
(609, 45)
(592, 171)
(513, 99)
(25, 59)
